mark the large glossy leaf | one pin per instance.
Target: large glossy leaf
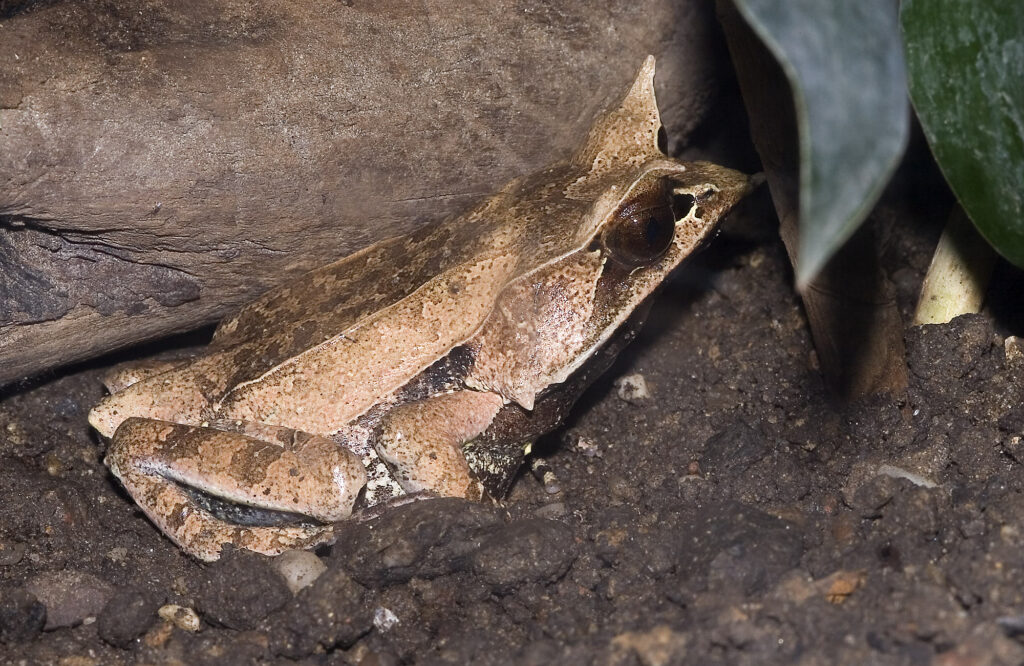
(966, 64)
(845, 65)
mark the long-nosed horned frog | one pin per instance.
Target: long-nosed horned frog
(423, 363)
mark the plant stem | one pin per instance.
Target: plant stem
(959, 273)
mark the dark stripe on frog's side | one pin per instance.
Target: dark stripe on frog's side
(242, 514)
(446, 374)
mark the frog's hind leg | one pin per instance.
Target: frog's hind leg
(205, 486)
(123, 375)
(422, 441)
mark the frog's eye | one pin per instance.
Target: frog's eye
(642, 229)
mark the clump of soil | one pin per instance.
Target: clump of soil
(716, 507)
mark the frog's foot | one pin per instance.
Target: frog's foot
(206, 486)
(123, 375)
(422, 441)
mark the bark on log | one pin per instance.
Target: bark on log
(162, 162)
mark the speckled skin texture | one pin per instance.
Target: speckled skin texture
(523, 284)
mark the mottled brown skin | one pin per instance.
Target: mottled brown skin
(401, 357)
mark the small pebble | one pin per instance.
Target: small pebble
(299, 568)
(587, 447)
(179, 616)
(632, 388)
(372, 658)
(900, 473)
(384, 619)
(1013, 347)
(117, 554)
(54, 466)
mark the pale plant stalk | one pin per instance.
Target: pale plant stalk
(958, 275)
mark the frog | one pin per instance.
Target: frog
(423, 365)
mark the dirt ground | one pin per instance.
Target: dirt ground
(734, 515)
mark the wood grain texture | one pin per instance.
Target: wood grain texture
(163, 162)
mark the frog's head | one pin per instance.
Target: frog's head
(613, 222)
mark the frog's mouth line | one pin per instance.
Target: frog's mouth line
(244, 515)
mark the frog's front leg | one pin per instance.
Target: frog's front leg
(422, 441)
(172, 471)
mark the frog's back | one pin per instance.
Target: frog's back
(330, 300)
(321, 351)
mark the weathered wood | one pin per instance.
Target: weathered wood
(162, 162)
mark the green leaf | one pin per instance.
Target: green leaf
(844, 62)
(966, 64)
